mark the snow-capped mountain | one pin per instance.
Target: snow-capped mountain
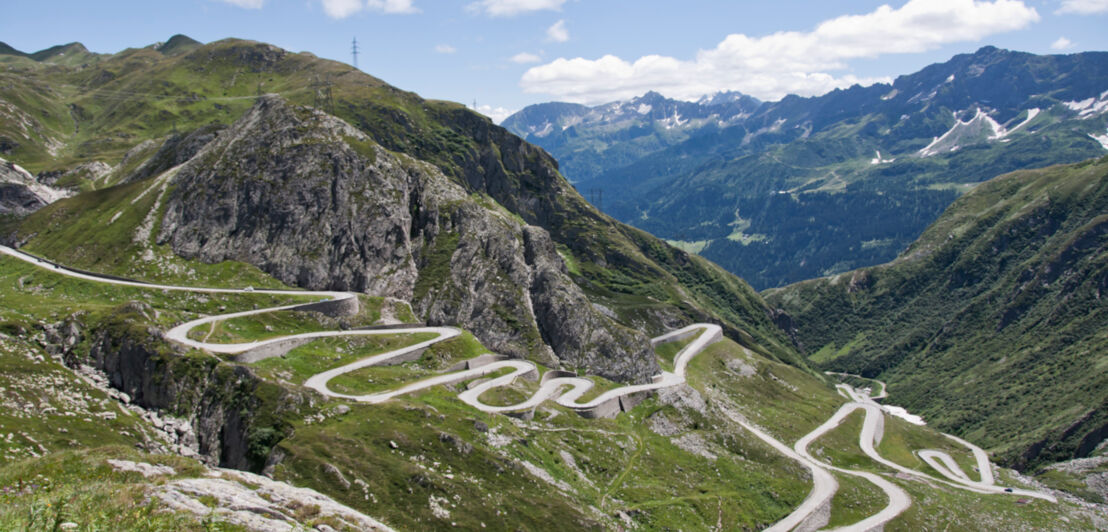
(633, 128)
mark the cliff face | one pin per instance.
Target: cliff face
(317, 203)
(235, 419)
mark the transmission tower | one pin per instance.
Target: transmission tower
(354, 51)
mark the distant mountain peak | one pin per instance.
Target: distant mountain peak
(177, 44)
(726, 97)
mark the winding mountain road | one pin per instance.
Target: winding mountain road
(568, 390)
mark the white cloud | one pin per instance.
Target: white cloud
(248, 4)
(1083, 7)
(445, 49)
(497, 114)
(524, 58)
(508, 8)
(1061, 44)
(341, 8)
(558, 32)
(345, 8)
(393, 7)
(771, 66)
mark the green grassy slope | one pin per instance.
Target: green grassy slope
(992, 324)
(430, 461)
(108, 109)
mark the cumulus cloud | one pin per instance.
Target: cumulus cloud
(393, 7)
(1083, 7)
(1061, 44)
(524, 58)
(771, 66)
(445, 49)
(248, 4)
(558, 32)
(497, 114)
(345, 8)
(341, 8)
(509, 8)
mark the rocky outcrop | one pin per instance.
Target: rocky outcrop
(176, 150)
(233, 426)
(21, 194)
(316, 203)
(571, 325)
(283, 190)
(92, 171)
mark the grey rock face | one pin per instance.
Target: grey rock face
(582, 335)
(21, 194)
(282, 190)
(316, 203)
(176, 150)
(18, 199)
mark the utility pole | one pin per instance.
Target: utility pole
(354, 51)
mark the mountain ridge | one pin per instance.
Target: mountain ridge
(988, 325)
(851, 158)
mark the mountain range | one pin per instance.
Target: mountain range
(165, 208)
(779, 192)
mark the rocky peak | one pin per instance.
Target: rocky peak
(315, 202)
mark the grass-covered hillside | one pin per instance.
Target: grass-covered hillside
(991, 325)
(144, 111)
(681, 459)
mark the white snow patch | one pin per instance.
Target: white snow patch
(674, 121)
(644, 108)
(1031, 114)
(929, 149)
(1089, 107)
(980, 119)
(115, 217)
(879, 160)
(950, 78)
(1102, 139)
(902, 413)
(998, 130)
(890, 95)
(1081, 105)
(547, 128)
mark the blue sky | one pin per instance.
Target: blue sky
(510, 53)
